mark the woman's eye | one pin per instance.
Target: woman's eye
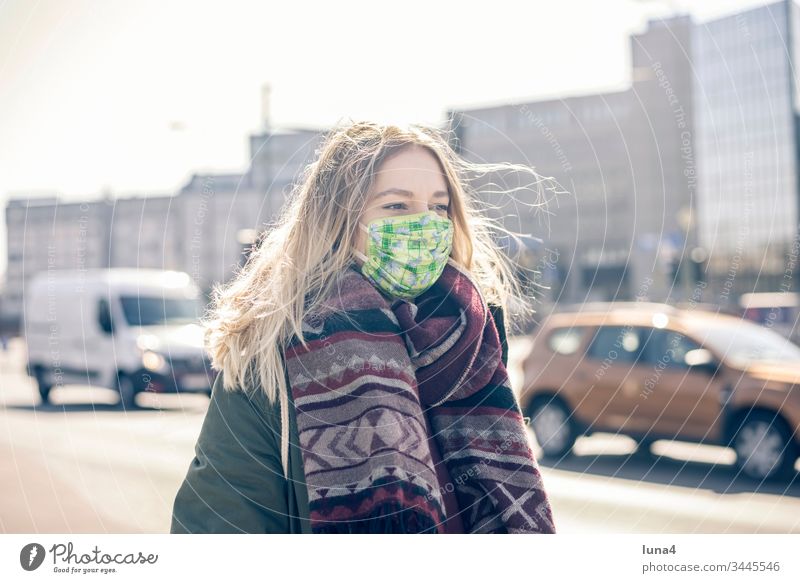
(402, 206)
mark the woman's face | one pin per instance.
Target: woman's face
(408, 182)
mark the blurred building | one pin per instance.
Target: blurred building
(218, 209)
(619, 156)
(683, 185)
(140, 232)
(746, 105)
(278, 157)
(198, 230)
(44, 233)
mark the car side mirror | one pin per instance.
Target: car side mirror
(702, 359)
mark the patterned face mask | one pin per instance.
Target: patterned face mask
(406, 254)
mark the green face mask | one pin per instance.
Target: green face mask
(406, 254)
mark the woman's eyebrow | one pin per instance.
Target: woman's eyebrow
(402, 192)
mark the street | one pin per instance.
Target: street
(84, 465)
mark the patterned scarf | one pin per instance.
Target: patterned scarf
(371, 369)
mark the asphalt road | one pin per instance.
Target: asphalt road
(84, 465)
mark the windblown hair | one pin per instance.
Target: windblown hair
(297, 262)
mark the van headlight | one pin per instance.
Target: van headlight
(154, 361)
(147, 341)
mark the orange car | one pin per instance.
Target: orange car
(653, 371)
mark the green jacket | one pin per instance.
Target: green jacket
(235, 482)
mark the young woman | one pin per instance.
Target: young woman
(362, 360)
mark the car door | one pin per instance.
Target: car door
(614, 370)
(73, 317)
(678, 399)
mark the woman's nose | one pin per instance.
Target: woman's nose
(418, 206)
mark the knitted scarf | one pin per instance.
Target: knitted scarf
(372, 367)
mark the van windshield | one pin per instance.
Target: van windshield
(154, 310)
(744, 342)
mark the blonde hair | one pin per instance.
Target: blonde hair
(300, 257)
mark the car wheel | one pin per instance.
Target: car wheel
(763, 447)
(43, 385)
(553, 426)
(126, 390)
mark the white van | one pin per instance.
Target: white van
(130, 330)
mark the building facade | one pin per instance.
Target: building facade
(204, 229)
(618, 159)
(747, 149)
(682, 186)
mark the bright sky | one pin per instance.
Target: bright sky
(135, 96)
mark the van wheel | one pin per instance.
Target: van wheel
(43, 385)
(553, 426)
(764, 450)
(126, 390)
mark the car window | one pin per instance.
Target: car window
(565, 340)
(616, 343)
(154, 310)
(668, 348)
(742, 342)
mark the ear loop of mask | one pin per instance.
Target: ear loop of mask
(358, 253)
